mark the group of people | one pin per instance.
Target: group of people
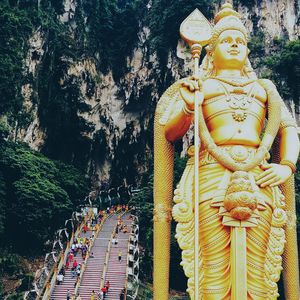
(76, 269)
(101, 294)
(82, 244)
(121, 227)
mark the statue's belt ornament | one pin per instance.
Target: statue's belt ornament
(240, 199)
(240, 154)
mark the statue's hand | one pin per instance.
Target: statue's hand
(273, 175)
(187, 91)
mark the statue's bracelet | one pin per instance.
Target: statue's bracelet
(186, 110)
(286, 162)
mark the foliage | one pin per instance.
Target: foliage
(4, 130)
(247, 3)
(2, 202)
(40, 195)
(15, 296)
(10, 263)
(164, 21)
(16, 26)
(1, 288)
(133, 148)
(256, 44)
(60, 98)
(26, 282)
(58, 95)
(144, 202)
(72, 181)
(112, 28)
(285, 70)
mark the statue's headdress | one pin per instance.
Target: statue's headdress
(226, 19)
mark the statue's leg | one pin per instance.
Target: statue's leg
(214, 238)
(257, 242)
(214, 275)
(265, 245)
(215, 249)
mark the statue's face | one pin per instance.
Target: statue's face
(230, 51)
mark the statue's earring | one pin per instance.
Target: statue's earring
(212, 65)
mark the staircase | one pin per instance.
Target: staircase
(116, 271)
(60, 291)
(91, 277)
(93, 272)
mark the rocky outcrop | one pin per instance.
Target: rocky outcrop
(122, 111)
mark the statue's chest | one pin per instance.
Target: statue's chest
(237, 107)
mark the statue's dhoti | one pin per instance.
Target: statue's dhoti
(264, 238)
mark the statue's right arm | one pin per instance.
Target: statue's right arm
(183, 113)
(179, 122)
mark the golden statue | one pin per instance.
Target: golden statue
(246, 232)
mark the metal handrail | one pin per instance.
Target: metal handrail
(106, 262)
(107, 257)
(127, 268)
(50, 282)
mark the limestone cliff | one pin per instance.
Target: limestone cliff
(120, 109)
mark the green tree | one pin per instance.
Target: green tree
(73, 182)
(16, 26)
(112, 32)
(285, 70)
(40, 195)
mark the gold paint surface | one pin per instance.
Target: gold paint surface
(241, 253)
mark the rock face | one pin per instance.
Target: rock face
(278, 18)
(121, 110)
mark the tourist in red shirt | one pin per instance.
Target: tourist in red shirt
(75, 264)
(104, 290)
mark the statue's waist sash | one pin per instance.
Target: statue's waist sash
(239, 153)
(214, 178)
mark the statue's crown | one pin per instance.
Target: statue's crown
(227, 19)
(226, 11)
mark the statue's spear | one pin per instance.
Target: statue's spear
(196, 31)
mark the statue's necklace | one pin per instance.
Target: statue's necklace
(240, 82)
(239, 102)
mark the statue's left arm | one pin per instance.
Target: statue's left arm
(285, 152)
(289, 141)
(279, 172)
(288, 153)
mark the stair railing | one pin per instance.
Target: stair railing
(127, 268)
(107, 256)
(106, 259)
(50, 283)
